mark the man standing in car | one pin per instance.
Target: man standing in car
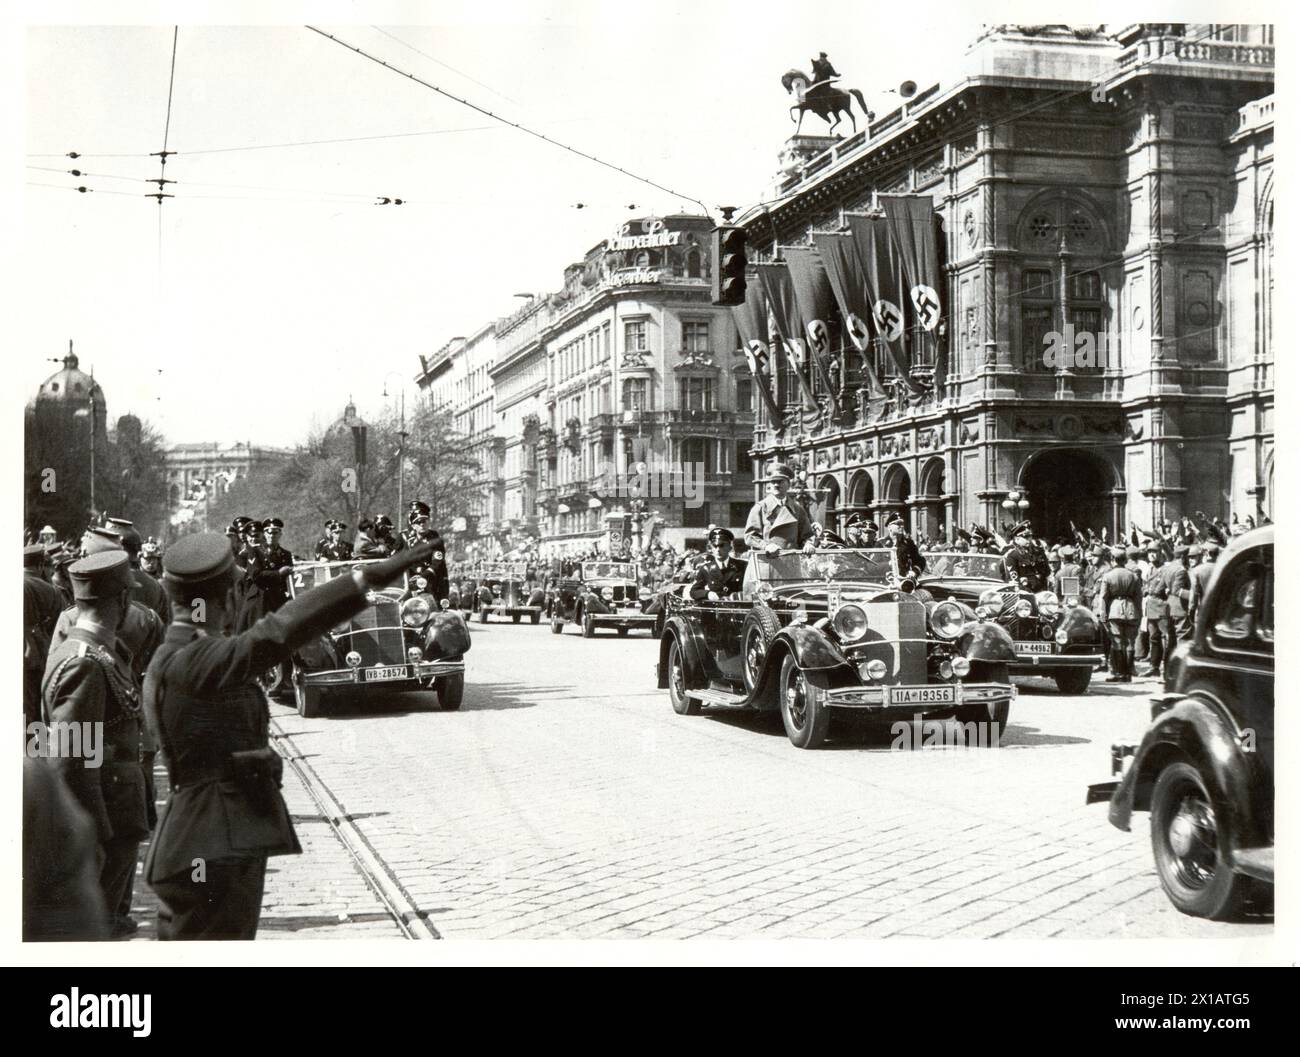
(778, 521)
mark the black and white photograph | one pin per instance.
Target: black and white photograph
(731, 474)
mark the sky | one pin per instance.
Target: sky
(272, 287)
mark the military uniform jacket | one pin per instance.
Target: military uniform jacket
(435, 572)
(201, 692)
(148, 591)
(908, 556)
(369, 547)
(333, 552)
(275, 592)
(1200, 577)
(722, 578)
(782, 521)
(42, 604)
(86, 682)
(140, 635)
(1025, 563)
(1179, 585)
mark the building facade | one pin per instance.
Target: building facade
(199, 472)
(1113, 184)
(622, 405)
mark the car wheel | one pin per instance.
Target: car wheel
(984, 672)
(536, 618)
(1074, 680)
(622, 633)
(451, 689)
(759, 633)
(514, 618)
(483, 615)
(682, 705)
(588, 626)
(557, 626)
(1190, 847)
(308, 700)
(807, 720)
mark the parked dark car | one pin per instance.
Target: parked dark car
(812, 633)
(400, 641)
(601, 593)
(503, 589)
(1204, 768)
(1052, 635)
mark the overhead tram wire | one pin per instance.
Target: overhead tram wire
(512, 124)
(162, 180)
(448, 66)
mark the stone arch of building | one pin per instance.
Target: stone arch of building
(862, 492)
(931, 515)
(1059, 211)
(1067, 485)
(827, 508)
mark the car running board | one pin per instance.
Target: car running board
(721, 698)
(1254, 862)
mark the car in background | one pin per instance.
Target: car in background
(602, 593)
(829, 631)
(1052, 635)
(503, 590)
(1204, 768)
(400, 641)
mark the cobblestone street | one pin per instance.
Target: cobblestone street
(567, 800)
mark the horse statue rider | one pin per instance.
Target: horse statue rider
(817, 93)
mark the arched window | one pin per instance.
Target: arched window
(693, 264)
(1063, 242)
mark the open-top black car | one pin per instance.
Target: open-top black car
(1204, 768)
(600, 594)
(400, 641)
(1052, 636)
(503, 590)
(815, 632)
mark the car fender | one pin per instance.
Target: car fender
(536, 598)
(987, 641)
(1193, 729)
(317, 654)
(446, 635)
(594, 603)
(1080, 625)
(485, 596)
(693, 647)
(811, 648)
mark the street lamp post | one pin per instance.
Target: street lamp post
(401, 444)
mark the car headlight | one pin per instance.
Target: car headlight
(1072, 601)
(1062, 636)
(415, 611)
(353, 658)
(947, 620)
(876, 670)
(849, 622)
(1024, 608)
(414, 655)
(985, 612)
(606, 593)
(961, 667)
(1048, 604)
(419, 583)
(764, 591)
(945, 669)
(645, 593)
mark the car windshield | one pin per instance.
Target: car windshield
(980, 566)
(504, 571)
(608, 571)
(307, 575)
(868, 566)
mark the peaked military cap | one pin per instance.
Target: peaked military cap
(897, 519)
(103, 575)
(383, 521)
(717, 534)
(33, 555)
(198, 559)
(781, 471)
(99, 540)
(1135, 552)
(1180, 551)
(126, 532)
(1022, 529)
(1066, 551)
(272, 522)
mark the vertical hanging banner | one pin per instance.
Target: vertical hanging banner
(751, 323)
(816, 303)
(911, 224)
(785, 314)
(884, 274)
(849, 287)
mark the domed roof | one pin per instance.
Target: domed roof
(71, 384)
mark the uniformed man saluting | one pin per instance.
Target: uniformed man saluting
(778, 521)
(225, 815)
(334, 548)
(88, 682)
(1026, 564)
(719, 575)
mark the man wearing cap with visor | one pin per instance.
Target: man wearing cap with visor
(225, 810)
(719, 575)
(778, 521)
(89, 683)
(1026, 565)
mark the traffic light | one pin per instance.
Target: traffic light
(729, 265)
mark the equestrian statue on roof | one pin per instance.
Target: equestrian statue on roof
(819, 94)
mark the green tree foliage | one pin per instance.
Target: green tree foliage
(324, 479)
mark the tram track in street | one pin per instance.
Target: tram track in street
(377, 873)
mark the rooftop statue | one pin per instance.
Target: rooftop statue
(819, 95)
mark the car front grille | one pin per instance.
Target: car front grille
(378, 635)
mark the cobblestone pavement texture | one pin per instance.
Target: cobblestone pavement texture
(567, 800)
(320, 894)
